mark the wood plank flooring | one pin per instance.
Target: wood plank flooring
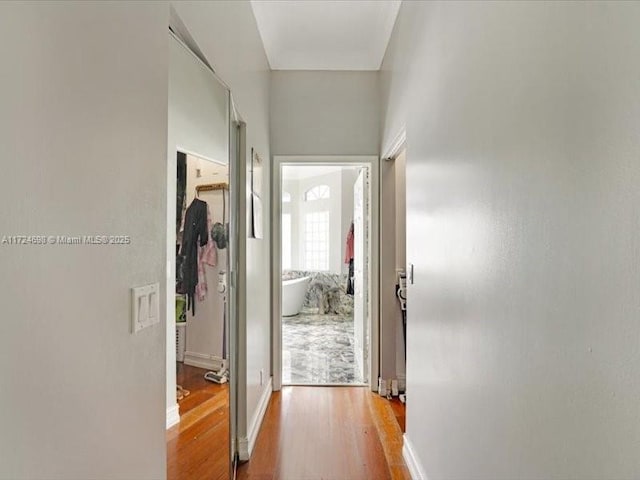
(198, 447)
(399, 410)
(338, 433)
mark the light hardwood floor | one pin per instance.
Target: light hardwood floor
(310, 433)
(198, 447)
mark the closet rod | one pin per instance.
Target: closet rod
(210, 187)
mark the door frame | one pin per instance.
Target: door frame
(373, 163)
(236, 282)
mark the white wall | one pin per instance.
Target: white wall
(522, 199)
(227, 34)
(388, 301)
(399, 167)
(400, 174)
(292, 186)
(328, 113)
(83, 153)
(324, 113)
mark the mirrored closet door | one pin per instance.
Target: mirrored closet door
(198, 295)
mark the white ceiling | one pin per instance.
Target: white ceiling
(325, 34)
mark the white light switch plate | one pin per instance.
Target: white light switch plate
(145, 305)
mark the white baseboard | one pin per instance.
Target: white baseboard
(402, 381)
(202, 360)
(246, 444)
(173, 416)
(359, 360)
(411, 459)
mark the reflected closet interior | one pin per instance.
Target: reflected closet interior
(202, 339)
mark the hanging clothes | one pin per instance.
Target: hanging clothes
(220, 231)
(181, 188)
(195, 235)
(350, 278)
(348, 258)
(207, 255)
(348, 254)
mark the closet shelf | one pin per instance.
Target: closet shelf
(209, 187)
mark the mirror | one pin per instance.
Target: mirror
(198, 256)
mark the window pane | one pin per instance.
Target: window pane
(316, 235)
(319, 192)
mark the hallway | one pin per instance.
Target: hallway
(313, 433)
(502, 142)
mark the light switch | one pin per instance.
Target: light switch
(144, 306)
(154, 317)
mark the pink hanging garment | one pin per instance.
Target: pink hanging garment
(348, 254)
(207, 255)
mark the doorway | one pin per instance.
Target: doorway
(325, 290)
(394, 274)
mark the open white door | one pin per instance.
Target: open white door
(361, 274)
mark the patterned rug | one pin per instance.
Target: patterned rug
(318, 349)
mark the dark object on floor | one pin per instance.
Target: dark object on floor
(181, 392)
(217, 377)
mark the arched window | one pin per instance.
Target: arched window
(319, 192)
(286, 197)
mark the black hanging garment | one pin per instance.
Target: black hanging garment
(181, 188)
(220, 231)
(348, 258)
(195, 234)
(350, 288)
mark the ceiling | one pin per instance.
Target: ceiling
(325, 34)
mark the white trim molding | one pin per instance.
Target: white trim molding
(397, 145)
(202, 360)
(373, 163)
(173, 416)
(411, 459)
(246, 444)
